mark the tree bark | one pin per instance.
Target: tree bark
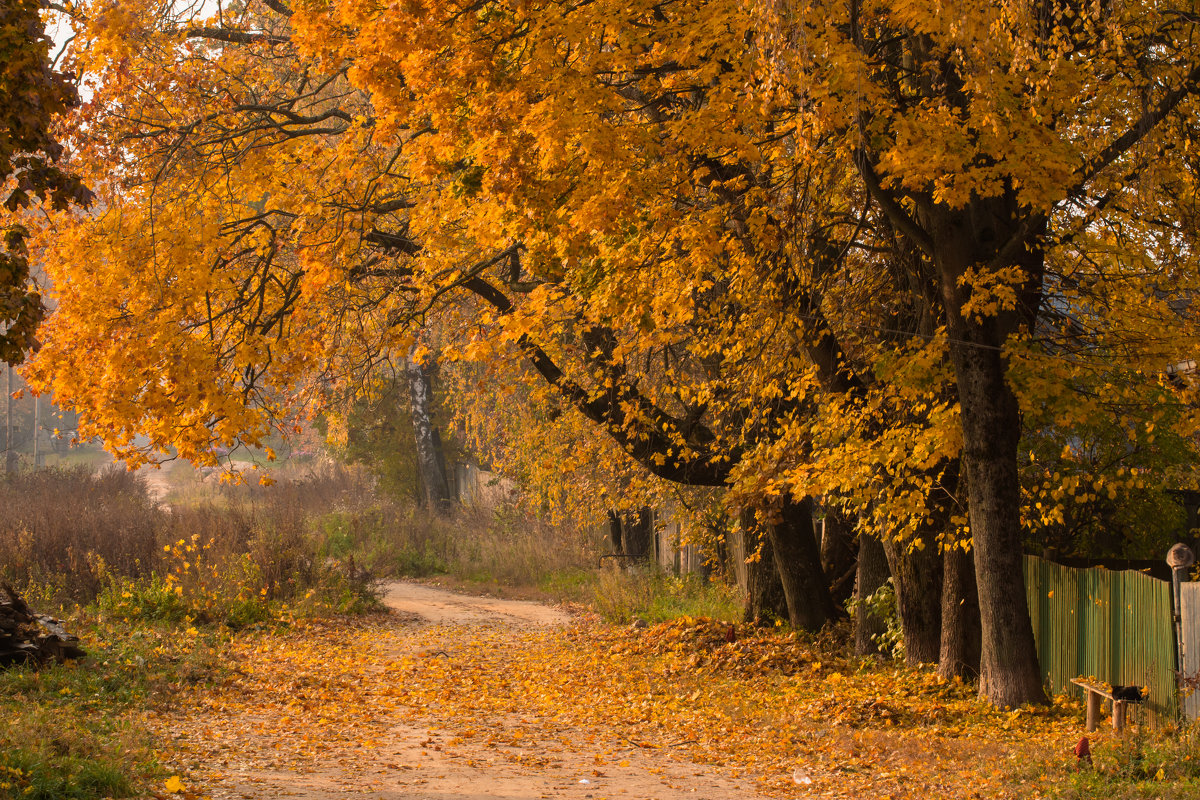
(960, 617)
(838, 555)
(1009, 674)
(434, 487)
(872, 573)
(917, 576)
(991, 431)
(765, 600)
(798, 559)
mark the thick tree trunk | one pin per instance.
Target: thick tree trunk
(1009, 674)
(872, 573)
(434, 487)
(960, 617)
(798, 559)
(765, 600)
(917, 576)
(963, 239)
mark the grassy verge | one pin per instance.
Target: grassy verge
(1138, 766)
(622, 595)
(72, 730)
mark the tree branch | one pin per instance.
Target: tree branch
(235, 37)
(1136, 132)
(887, 201)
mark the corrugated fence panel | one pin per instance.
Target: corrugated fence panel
(1114, 626)
(1189, 606)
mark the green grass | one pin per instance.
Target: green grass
(70, 729)
(1138, 766)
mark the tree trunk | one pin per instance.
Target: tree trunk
(798, 559)
(10, 445)
(637, 532)
(960, 617)
(434, 487)
(1009, 674)
(37, 432)
(838, 555)
(872, 573)
(615, 538)
(991, 431)
(917, 576)
(765, 600)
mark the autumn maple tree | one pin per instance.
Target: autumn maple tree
(788, 251)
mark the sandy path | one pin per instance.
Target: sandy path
(423, 759)
(441, 607)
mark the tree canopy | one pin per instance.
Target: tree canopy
(792, 250)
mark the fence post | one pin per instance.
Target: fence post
(1179, 558)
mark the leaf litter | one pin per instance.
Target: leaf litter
(383, 703)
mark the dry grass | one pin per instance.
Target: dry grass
(219, 552)
(55, 523)
(75, 536)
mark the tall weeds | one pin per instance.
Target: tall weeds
(76, 536)
(231, 553)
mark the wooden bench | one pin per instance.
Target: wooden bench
(1097, 693)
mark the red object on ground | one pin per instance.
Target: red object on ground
(1083, 751)
(730, 635)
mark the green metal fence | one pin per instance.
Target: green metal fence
(1113, 626)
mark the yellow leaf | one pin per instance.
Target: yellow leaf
(173, 785)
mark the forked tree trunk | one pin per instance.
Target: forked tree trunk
(798, 559)
(435, 490)
(991, 429)
(872, 574)
(960, 617)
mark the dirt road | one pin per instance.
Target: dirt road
(302, 731)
